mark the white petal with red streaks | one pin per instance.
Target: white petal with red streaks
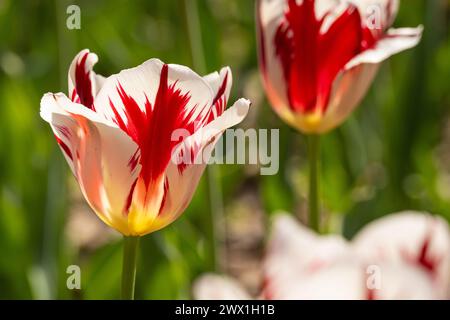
(141, 83)
(330, 11)
(216, 80)
(104, 175)
(231, 117)
(81, 75)
(307, 251)
(221, 84)
(150, 102)
(269, 14)
(410, 237)
(349, 280)
(300, 264)
(182, 182)
(326, 7)
(295, 251)
(339, 281)
(213, 79)
(64, 127)
(401, 281)
(378, 13)
(395, 41)
(99, 81)
(349, 89)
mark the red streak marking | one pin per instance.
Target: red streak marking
(310, 59)
(65, 148)
(64, 131)
(166, 192)
(129, 198)
(134, 160)
(152, 127)
(219, 102)
(83, 84)
(266, 290)
(222, 88)
(424, 258)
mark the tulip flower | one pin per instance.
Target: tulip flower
(318, 59)
(138, 141)
(401, 256)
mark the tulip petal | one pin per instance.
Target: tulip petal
(306, 47)
(179, 180)
(401, 281)
(307, 250)
(268, 17)
(396, 40)
(220, 82)
(150, 102)
(189, 159)
(84, 84)
(141, 84)
(294, 250)
(343, 281)
(221, 85)
(105, 176)
(300, 264)
(304, 53)
(350, 280)
(349, 88)
(352, 84)
(410, 237)
(379, 14)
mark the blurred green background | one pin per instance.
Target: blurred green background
(392, 154)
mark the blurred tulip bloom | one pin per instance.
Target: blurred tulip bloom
(401, 256)
(319, 57)
(116, 134)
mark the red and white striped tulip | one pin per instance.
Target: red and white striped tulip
(318, 58)
(117, 134)
(409, 252)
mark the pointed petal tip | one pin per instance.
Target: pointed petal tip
(226, 69)
(48, 105)
(396, 40)
(92, 57)
(240, 108)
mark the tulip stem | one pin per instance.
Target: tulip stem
(216, 216)
(313, 196)
(130, 246)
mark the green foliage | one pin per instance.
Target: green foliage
(393, 154)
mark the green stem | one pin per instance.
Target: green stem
(214, 186)
(130, 246)
(313, 159)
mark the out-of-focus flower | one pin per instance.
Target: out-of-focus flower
(138, 141)
(419, 240)
(401, 256)
(319, 57)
